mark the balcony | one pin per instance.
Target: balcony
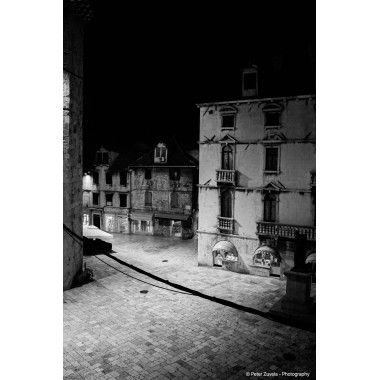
(225, 223)
(226, 176)
(284, 230)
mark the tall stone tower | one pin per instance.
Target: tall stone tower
(75, 13)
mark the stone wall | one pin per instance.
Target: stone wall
(72, 143)
(162, 187)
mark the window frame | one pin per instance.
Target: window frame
(98, 197)
(270, 170)
(102, 155)
(148, 176)
(147, 195)
(223, 195)
(231, 153)
(125, 197)
(123, 175)
(109, 195)
(109, 175)
(227, 111)
(174, 196)
(249, 73)
(273, 207)
(161, 153)
(272, 109)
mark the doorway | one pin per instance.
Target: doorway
(96, 220)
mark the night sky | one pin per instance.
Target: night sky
(146, 67)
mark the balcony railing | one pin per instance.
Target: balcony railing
(225, 223)
(226, 176)
(284, 230)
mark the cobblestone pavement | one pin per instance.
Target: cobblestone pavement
(113, 331)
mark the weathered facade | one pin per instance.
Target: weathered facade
(256, 181)
(106, 200)
(163, 192)
(73, 28)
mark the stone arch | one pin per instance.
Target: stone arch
(224, 251)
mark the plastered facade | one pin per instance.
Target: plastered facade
(291, 182)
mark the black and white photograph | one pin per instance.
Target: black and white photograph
(186, 243)
(189, 192)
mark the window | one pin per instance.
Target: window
(174, 174)
(123, 178)
(226, 204)
(269, 208)
(148, 173)
(249, 81)
(109, 179)
(227, 115)
(95, 178)
(272, 113)
(271, 159)
(227, 158)
(174, 201)
(109, 199)
(123, 200)
(160, 153)
(102, 158)
(148, 198)
(272, 119)
(95, 199)
(228, 121)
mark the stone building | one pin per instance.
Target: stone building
(106, 192)
(163, 192)
(75, 14)
(256, 180)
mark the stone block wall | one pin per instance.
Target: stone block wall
(72, 143)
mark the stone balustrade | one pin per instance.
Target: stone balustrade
(226, 176)
(284, 230)
(225, 223)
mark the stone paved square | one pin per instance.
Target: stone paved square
(112, 331)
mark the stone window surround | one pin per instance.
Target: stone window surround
(228, 111)
(277, 200)
(271, 145)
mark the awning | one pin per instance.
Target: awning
(141, 215)
(311, 258)
(225, 245)
(267, 249)
(171, 216)
(93, 232)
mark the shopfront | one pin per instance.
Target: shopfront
(116, 219)
(142, 223)
(266, 261)
(173, 225)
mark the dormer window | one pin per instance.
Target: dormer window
(272, 113)
(102, 158)
(249, 81)
(228, 116)
(160, 153)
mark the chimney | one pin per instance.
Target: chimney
(249, 82)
